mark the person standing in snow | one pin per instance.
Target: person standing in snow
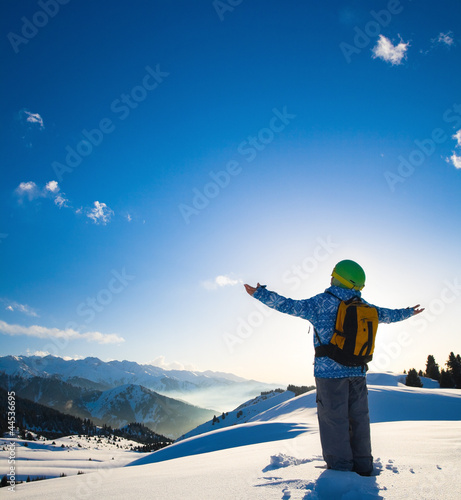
(342, 396)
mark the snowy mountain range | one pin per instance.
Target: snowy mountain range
(115, 407)
(106, 375)
(117, 393)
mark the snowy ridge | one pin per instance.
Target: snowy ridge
(241, 414)
(397, 380)
(198, 388)
(113, 372)
(133, 403)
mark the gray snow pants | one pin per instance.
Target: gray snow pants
(344, 422)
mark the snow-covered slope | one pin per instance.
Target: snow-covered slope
(69, 455)
(277, 455)
(242, 414)
(398, 380)
(387, 404)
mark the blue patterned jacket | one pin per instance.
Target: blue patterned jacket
(320, 310)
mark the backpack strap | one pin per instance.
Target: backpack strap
(331, 293)
(352, 299)
(321, 350)
(318, 338)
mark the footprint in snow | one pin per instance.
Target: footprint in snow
(377, 467)
(286, 494)
(281, 460)
(391, 467)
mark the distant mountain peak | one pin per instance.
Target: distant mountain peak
(93, 372)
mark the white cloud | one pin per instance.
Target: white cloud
(446, 38)
(456, 160)
(34, 118)
(59, 198)
(27, 186)
(457, 138)
(28, 189)
(30, 120)
(388, 52)
(100, 214)
(219, 282)
(30, 125)
(52, 186)
(161, 362)
(51, 190)
(60, 201)
(13, 306)
(226, 281)
(42, 332)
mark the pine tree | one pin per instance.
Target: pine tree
(446, 380)
(454, 368)
(432, 368)
(413, 379)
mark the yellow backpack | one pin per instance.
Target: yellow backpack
(353, 340)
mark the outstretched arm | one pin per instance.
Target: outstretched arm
(393, 315)
(300, 308)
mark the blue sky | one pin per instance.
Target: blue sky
(156, 155)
